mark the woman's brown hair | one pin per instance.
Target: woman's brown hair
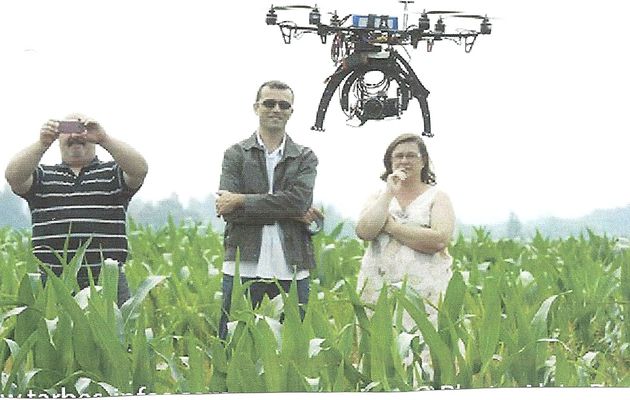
(426, 175)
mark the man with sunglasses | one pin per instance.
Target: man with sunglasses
(265, 197)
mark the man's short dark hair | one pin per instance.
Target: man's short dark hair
(274, 85)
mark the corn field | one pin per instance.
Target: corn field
(538, 313)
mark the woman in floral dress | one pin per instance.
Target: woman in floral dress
(409, 224)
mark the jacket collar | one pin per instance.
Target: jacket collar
(279, 150)
(291, 149)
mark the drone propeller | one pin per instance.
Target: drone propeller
(314, 17)
(471, 16)
(424, 23)
(436, 12)
(486, 26)
(294, 7)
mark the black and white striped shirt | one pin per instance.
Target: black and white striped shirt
(76, 208)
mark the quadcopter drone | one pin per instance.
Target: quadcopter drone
(362, 44)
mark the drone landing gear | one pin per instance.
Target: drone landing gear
(333, 83)
(468, 43)
(393, 68)
(287, 33)
(417, 90)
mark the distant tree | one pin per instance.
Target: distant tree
(14, 210)
(514, 228)
(613, 222)
(156, 213)
(204, 211)
(332, 219)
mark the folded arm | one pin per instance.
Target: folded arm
(294, 202)
(374, 216)
(431, 239)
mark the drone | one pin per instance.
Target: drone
(362, 44)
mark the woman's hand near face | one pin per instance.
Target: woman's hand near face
(395, 180)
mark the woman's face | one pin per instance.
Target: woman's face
(406, 156)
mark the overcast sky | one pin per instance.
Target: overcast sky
(533, 120)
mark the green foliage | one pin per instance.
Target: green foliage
(546, 312)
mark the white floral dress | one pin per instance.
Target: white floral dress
(387, 260)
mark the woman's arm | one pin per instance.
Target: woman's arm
(375, 213)
(426, 240)
(374, 216)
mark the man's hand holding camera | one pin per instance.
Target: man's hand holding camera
(95, 133)
(86, 130)
(49, 133)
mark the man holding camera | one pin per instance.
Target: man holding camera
(265, 197)
(81, 199)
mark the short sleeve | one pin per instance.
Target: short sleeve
(126, 191)
(35, 188)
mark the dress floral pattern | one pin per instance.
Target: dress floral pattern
(388, 261)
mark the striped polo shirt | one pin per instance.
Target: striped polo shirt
(76, 208)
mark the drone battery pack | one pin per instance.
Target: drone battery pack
(373, 21)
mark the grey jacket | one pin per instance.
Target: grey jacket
(244, 171)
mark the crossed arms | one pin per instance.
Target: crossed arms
(293, 201)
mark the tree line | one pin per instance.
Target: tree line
(613, 222)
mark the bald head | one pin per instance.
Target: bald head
(76, 116)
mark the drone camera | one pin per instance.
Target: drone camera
(391, 107)
(378, 107)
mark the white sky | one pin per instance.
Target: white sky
(533, 121)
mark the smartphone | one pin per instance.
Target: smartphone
(72, 126)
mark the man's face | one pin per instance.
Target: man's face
(274, 108)
(75, 149)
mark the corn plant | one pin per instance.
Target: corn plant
(550, 312)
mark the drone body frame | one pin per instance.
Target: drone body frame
(368, 46)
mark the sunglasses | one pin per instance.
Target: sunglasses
(271, 103)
